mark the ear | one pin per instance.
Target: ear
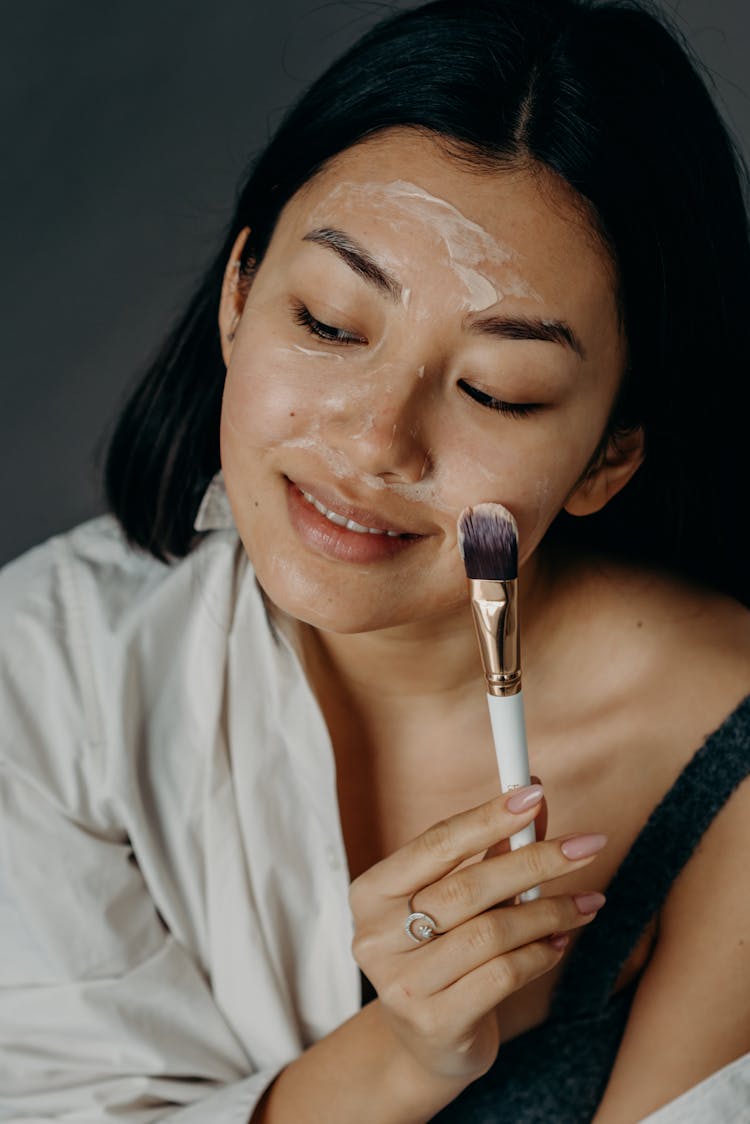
(622, 457)
(233, 295)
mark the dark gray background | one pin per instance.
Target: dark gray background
(126, 127)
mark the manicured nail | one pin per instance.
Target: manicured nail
(590, 902)
(524, 798)
(560, 941)
(583, 846)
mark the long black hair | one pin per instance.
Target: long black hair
(607, 97)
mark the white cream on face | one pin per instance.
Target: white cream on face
(298, 349)
(446, 264)
(427, 492)
(484, 270)
(388, 426)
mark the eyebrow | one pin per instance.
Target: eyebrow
(502, 327)
(530, 328)
(357, 258)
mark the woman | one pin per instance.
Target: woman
(498, 252)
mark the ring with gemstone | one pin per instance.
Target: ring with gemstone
(424, 927)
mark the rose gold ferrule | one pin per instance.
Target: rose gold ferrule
(494, 606)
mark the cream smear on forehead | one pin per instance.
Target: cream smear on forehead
(467, 245)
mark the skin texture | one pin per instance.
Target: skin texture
(383, 422)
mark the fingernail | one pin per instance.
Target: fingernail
(590, 902)
(560, 941)
(583, 846)
(524, 798)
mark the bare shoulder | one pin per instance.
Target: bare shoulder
(695, 990)
(666, 603)
(652, 665)
(684, 648)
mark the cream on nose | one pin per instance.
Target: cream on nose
(381, 424)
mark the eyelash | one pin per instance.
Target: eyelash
(326, 332)
(510, 409)
(323, 331)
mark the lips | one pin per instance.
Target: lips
(330, 526)
(342, 521)
(342, 513)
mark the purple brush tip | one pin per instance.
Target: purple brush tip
(488, 541)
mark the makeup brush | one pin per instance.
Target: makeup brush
(488, 541)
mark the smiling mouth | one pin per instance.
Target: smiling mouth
(346, 516)
(342, 521)
(346, 534)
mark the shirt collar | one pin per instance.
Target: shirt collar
(214, 513)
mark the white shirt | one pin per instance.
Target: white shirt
(174, 920)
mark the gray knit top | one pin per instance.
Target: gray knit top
(556, 1073)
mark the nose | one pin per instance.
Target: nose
(381, 425)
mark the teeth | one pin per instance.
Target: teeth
(342, 521)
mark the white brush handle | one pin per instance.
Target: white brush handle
(509, 735)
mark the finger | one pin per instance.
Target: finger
(439, 849)
(453, 955)
(458, 1008)
(474, 889)
(540, 826)
(464, 894)
(540, 823)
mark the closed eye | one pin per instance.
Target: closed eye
(327, 332)
(510, 409)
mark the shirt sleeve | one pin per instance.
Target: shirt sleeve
(104, 1015)
(723, 1096)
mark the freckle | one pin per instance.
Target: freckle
(640, 624)
(256, 503)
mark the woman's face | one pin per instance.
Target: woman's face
(418, 337)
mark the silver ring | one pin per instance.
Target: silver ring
(426, 930)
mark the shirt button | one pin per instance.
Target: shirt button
(332, 857)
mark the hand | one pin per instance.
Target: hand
(439, 997)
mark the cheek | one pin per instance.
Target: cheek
(268, 396)
(529, 474)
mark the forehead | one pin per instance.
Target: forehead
(409, 189)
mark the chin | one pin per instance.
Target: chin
(347, 607)
(310, 604)
(304, 597)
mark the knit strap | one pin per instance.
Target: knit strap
(661, 850)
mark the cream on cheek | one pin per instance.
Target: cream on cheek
(288, 396)
(299, 405)
(284, 400)
(533, 491)
(297, 349)
(258, 420)
(308, 397)
(353, 387)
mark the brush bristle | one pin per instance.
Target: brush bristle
(488, 541)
